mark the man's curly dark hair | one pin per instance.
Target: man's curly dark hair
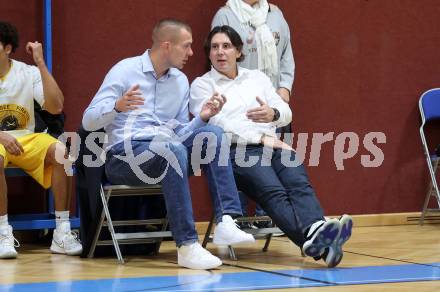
(8, 35)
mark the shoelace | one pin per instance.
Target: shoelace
(5, 240)
(236, 224)
(315, 227)
(72, 237)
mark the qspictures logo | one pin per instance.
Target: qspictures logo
(203, 146)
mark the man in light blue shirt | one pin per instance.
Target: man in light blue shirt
(143, 106)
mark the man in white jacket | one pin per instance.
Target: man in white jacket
(250, 117)
(267, 47)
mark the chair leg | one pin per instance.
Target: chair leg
(97, 233)
(266, 244)
(159, 240)
(425, 204)
(104, 199)
(436, 193)
(432, 190)
(232, 253)
(208, 232)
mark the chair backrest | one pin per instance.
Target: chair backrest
(54, 124)
(429, 105)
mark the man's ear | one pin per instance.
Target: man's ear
(238, 55)
(165, 45)
(8, 49)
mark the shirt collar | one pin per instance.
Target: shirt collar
(219, 76)
(147, 65)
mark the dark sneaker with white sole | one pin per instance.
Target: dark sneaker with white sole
(333, 255)
(321, 235)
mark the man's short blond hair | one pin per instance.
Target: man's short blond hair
(168, 30)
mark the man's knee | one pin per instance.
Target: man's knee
(180, 154)
(211, 136)
(297, 182)
(56, 150)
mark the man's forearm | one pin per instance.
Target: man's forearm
(189, 127)
(98, 115)
(53, 96)
(284, 93)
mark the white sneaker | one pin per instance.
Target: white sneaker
(65, 241)
(8, 243)
(194, 256)
(228, 233)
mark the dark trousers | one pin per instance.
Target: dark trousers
(285, 193)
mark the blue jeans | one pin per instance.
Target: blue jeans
(243, 198)
(283, 192)
(176, 187)
(244, 206)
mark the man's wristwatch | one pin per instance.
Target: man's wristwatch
(276, 114)
(116, 110)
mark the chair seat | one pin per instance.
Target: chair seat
(258, 232)
(434, 157)
(35, 221)
(125, 190)
(12, 171)
(127, 187)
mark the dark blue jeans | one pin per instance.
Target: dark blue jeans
(283, 192)
(244, 206)
(162, 157)
(243, 198)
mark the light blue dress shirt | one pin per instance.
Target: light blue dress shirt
(164, 112)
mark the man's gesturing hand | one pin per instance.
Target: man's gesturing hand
(130, 100)
(212, 106)
(36, 50)
(261, 114)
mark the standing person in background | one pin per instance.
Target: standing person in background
(266, 37)
(267, 47)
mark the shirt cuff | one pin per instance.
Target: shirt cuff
(286, 85)
(108, 113)
(196, 123)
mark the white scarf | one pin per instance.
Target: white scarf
(256, 15)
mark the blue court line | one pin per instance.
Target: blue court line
(246, 280)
